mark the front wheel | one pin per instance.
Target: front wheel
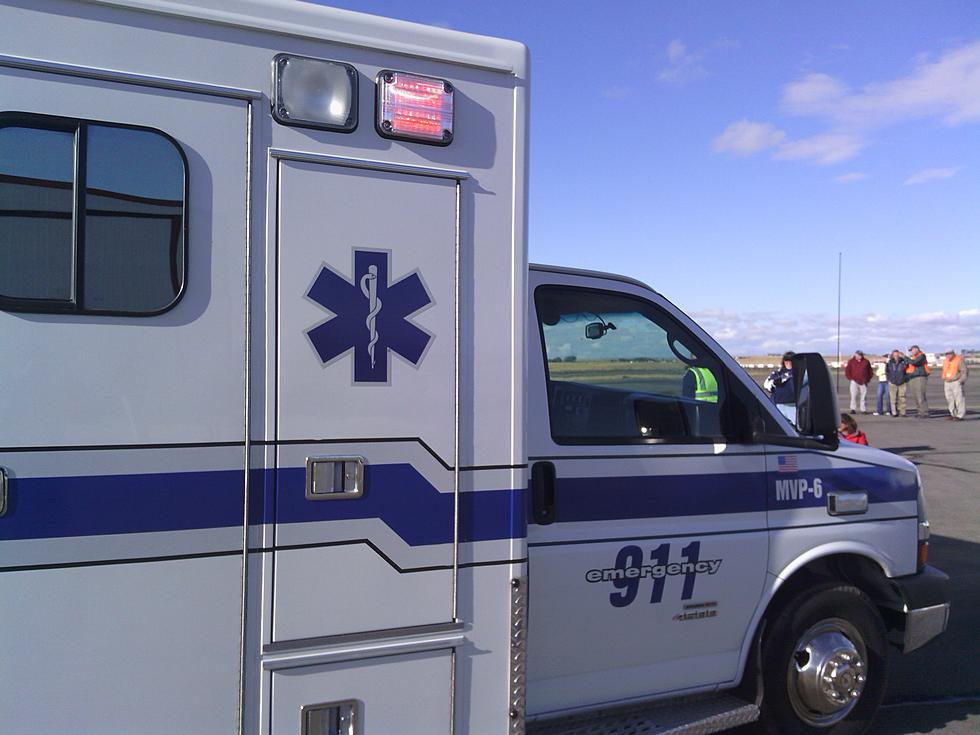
(824, 664)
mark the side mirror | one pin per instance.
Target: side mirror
(817, 414)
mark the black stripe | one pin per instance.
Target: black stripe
(647, 456)
(774, 452)
(111, 447)
(480, 467)
(350, 542)
(845, 523)
(376, 440)
(495, 563)
(379, 552)
(112, 562)
(717, 533)
(613, 539)
(256, 442)
(215, 554)
(445, 465)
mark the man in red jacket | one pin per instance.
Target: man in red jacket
(858, 372)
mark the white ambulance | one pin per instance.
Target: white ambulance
(293, 441)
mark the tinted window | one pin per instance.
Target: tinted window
(620, 370)
(133, 220)
(36, 204)
(117, 248)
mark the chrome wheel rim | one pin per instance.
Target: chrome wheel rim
(827, 672)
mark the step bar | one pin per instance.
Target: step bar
(688, 716)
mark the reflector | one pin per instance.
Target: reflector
(412, 107)
(314, 93)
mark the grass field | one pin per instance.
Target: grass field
(648, 376)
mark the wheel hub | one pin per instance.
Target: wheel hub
(827, 672)
(842, 676)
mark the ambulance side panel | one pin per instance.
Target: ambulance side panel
(409, 587)
(122, 436)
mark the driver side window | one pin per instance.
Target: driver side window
(622, 371)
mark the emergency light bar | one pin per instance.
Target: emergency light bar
(412, 107)
(314, 93)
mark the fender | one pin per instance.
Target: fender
(775, 582)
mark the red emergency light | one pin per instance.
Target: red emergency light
(412, 107)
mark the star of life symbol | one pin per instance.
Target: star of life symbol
(371, 316)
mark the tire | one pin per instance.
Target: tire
(818, 647)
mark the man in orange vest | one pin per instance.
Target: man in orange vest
(954, 378)
(918, 371)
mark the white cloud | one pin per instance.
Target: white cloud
(931, 174)
(822, 149)
(815, 94)
(745, 137)
(761, 333)
(682, 65)
(851, 177)
(945, 88)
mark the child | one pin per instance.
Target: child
(848, 430)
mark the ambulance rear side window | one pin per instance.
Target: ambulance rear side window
(92, 217)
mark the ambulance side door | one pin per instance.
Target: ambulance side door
(647, 521)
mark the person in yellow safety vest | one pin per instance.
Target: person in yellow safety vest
(701, 383)
(954, 378)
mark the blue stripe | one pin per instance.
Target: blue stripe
(402, 498)
(96, 505)
(658, 496)
(409, 505)
(881, 484)
(584, 499)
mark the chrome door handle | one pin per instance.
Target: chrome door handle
(334, 478)
(847, 502)
(3, 492)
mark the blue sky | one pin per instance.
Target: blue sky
(726, 152)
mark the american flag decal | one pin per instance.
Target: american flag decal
(787, 463)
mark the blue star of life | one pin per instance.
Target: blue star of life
(371, 316)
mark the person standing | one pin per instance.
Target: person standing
(781, 388)
(858, 372)
(918, 372)
(897, 382)
(954, 379)
(883, 404)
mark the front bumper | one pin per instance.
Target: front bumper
(926, 606)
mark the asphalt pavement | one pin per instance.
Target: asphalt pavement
(937, 688)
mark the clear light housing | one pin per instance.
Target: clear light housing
(314, 93)
(412, 107)
(923, 529)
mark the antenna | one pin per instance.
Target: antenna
(840, 260)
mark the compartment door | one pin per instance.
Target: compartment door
(367, 369)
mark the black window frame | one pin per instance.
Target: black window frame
(73, 305)
(728, 417)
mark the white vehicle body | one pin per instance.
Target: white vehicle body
(295, 500)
